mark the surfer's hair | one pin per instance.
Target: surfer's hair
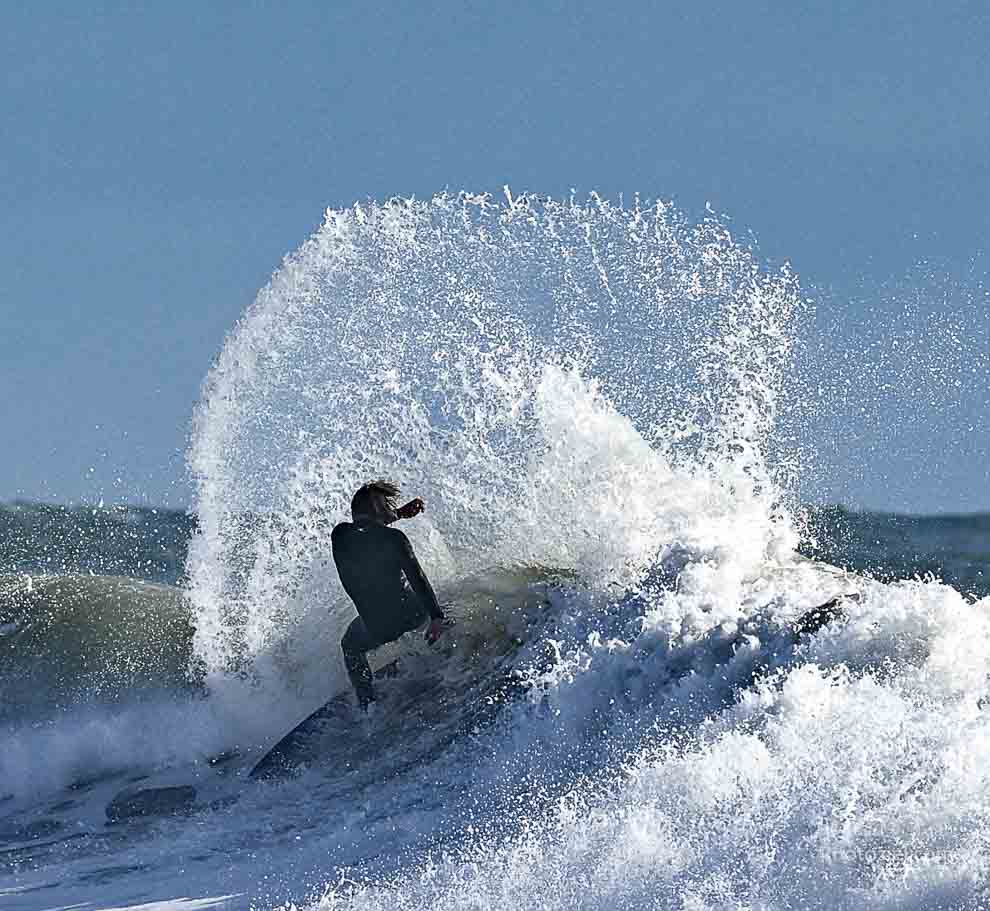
(369, 498)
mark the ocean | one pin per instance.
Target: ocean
(602, 407)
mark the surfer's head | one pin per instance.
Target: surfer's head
(376, 501)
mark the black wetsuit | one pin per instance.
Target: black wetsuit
(392, 595)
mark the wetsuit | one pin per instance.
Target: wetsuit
(392, 595)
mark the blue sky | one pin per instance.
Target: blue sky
(159, 160)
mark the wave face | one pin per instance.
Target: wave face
(71, 640)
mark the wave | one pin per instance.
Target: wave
(610, 391)
(502, 362)
(98, 676)
(72, 640)
(845, 777)
(602, 390)
(510, 642)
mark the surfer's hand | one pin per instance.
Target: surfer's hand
(435, 631)
(413, 508)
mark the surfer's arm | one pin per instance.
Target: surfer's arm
(411, 509)
(417, 578)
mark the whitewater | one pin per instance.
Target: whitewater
(603, 407)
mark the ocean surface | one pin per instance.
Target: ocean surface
(602, 407)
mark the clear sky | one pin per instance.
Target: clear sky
(158, 160)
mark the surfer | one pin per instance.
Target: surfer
(383, 578)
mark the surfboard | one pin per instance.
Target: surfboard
(298, 746)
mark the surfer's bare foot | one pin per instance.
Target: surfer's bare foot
(437, 626)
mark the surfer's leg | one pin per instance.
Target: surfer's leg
(414, 615)
(355, 645)
(813, 620)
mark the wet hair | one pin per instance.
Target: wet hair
(368, 497)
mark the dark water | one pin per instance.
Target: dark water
(151, 544)
(952, 548)
(142, 543)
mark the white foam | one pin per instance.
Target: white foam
(841, 782)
